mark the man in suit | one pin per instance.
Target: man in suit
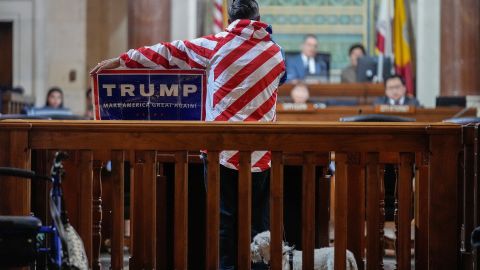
(395, 93)
(307, 63)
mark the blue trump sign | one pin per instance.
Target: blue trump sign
(145, 94)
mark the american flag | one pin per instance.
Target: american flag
(384, 28)
(244, 69)
(384, 46)
(219, 15)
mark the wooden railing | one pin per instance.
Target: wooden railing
(428, 151)
(13, 103)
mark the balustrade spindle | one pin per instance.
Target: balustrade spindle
(180, 230)
(404, 191)
(373, 211)
(97, 211)
(341, 203)
(244, 219)
(276, 211)
(213, 211)
(118, 193)
(356, 207)
(308, 210)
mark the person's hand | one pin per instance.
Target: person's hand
(106, 64)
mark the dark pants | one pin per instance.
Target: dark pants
(228, 212)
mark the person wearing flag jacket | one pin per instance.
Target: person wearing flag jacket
(244, 68)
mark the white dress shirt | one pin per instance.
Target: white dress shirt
(392, 101)
(310, 63)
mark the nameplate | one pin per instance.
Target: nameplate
(145, 94)
(295, 106)
(394, 109)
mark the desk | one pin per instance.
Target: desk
(309, 113)
(364, 93)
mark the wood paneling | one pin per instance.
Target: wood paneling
(460, 48)
(6, 54)
(443, 240)
(15, 191)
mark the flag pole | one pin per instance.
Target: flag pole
(225, 13)
(380, 68)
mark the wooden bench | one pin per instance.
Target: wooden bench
(359, 152)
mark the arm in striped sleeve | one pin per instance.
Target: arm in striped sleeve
(186, 54)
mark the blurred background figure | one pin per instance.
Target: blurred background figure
(300, 94)
(54, 98)
(349, 74)
(53, 108)
(89, 104)
(307, 65)
(395, 93)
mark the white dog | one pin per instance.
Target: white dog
(292, 259)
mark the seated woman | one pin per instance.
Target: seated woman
(54, 98)
(53, 105)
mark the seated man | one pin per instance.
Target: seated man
(300, 94)
(349, 74)
(307, 63)
(395, 93)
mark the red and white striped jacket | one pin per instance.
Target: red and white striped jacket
(244, 69)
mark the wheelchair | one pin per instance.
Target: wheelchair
(24, 242)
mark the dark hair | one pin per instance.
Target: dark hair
(395, 76)
(54, 89)
(307, 36)
(357, 46)
(244, 9)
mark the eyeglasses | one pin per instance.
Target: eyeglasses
(394, 87)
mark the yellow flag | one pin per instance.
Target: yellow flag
(401, 45)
